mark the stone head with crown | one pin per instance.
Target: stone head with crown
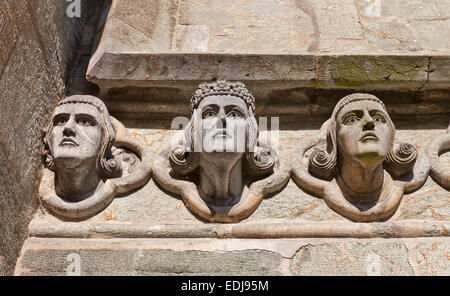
(220, 152)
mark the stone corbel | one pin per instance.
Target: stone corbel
(128, 153)
(220, 186)
(319, 155)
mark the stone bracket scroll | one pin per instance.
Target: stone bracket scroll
(439, 171)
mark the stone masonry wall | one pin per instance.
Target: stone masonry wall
(39, 50)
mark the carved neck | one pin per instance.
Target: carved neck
(357, 181)
(221, 179)
(77, 184)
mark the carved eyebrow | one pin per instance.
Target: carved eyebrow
(210, 106)
(231, 107)
(60, 116)
(87, 116)
(376, 111)
(358, 113)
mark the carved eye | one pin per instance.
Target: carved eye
(379, 118)
(209, 113)
(234, 114)
(59, 122)
(351, 119)
(85, 122)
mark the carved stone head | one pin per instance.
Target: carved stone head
(360, 129)
(220, 160)
(222, 128)
(80, 134)
(78, 148)
(355, 164)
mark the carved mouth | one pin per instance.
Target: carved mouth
(68, 142)
(221, 133)
(370, 136)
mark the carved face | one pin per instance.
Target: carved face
(363, 132)
(224, 124)
(76, 134)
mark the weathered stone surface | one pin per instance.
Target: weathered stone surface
(262, 229)
(403, 8)
(422, 256)
(37, 47)
(390, 257)
(429, 257)
(243, 26)
(148, 257)
(350, 258)
(272, 46)
(29, 87)
(298, 57)
(401, 26)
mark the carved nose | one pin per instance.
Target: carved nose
(69, 128)
(222, 118)
(368, 123)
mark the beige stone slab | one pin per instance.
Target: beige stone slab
(275, 44)
(266, 26)
(425, 256)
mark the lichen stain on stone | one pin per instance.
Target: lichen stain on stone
(354, 70)
(110, 214)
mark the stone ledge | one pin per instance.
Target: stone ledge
(142, 84)
(256, 229)
(417, 72)
(295, 56)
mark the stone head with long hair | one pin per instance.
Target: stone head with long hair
(220, 157)
(77, 146)
(355, 164)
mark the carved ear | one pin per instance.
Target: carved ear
(323, 159)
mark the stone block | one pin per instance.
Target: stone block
(352, 259)
(422, 256)
(147, 257)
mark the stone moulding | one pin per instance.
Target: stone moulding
(255, 229)
(319, 167)
(111, 188)
(439, 171)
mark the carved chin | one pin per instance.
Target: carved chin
(71, 161)
(370, 157)
(225, 145)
